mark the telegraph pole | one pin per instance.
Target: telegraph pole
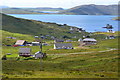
(41, 56)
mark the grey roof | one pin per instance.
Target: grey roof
(24, 50)
(59, 40)
(89, 39)
(63, 45)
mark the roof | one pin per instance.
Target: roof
(36, 42)
(20, 42)
(89, 39)
(24, 50)
(63, 45)
(59, 40)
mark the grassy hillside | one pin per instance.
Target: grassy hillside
(94, 65)
(32, 27)
(8, 41)
(93, 10)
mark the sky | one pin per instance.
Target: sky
(54, 3)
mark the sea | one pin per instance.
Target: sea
(90, 23)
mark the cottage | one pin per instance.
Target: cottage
(25, 52)
(39, 55)
(110, 37)
(68, 40)
(89, 41)
(58, 40)
(21, 42)
(77, 29)
(111, 31)
(63, 46)
(80, 39)
(11, 37)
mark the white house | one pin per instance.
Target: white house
(39, 55)
(79, 39)
(63, 46)
(89, 41)
(35, 43)
(110, 37)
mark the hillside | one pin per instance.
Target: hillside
(32, 27)
(94, 65)
(38, 10)
(92, 10)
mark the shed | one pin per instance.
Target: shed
(25, 52)
(63, 46)
(21, 42)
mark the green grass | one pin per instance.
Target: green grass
(94, 65)
(32, 27)
(7, 41)
(101, 45)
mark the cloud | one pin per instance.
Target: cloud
(53, 3)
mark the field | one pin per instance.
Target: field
(97, 64)
(93, 65)
(95, 61)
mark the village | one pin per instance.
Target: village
(55, 44)
(59, 39)
(49, 56)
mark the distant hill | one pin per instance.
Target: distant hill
(49, 8)
(92, 10)
(4, 7)
(29, 10)
(32, 27)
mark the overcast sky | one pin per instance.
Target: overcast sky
(54, 3)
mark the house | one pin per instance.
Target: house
(80, 39)
(45, 44)
(21, 42)
(35, 43)
(111, 31)
(68, 40)
(25, 52)
(89, 41)
(39, 55)
(11, 37)
(77, 29)
(63, 46)
(58, 40)
(110, 37)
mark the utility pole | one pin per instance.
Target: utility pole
(41, 56)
